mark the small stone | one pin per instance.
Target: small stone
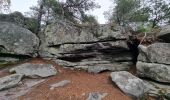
(59, 84)
(96, 96)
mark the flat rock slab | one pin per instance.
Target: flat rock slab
(10, 81)
(96, 96)
(59, 84)
(35, 70)
(129, 84)
(96, 66)
(105, 67)
(109, 67)
(20, 90)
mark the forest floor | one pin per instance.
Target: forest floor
(82, 83)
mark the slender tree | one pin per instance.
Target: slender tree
(40, 13)
(73, 10)
(124, 10)
(159, 11)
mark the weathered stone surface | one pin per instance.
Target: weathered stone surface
(63, 32)
(157, 89)
(96, 96)
(19, 19)
(167, 96)
(23, 88)
(154, 62)
(142, 53)
(80, 46)
(71, 48)
(129, 84)
(155, 53)
(10, 81)
(97, 53)
(164, 34)
(97, 68)
(154, 71)
(35, 70)
(17, 40)
(65, 63)
(59, 84)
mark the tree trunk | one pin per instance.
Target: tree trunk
(154, 23)
(40, 13)
(39, 19)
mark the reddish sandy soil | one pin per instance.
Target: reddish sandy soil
(81, 84)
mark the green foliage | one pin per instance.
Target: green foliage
(144, 28)
(89, 19)
(73, 10)
(152, 11)
(15, 17)
(30, 23)
(128, 11)
(140, 15)
(159, 11)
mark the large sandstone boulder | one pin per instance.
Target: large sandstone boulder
(66, 41)
(164, 34)
(155, 53)
(154, 62)
(16, 42)
(129, 84)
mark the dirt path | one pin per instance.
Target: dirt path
(81, 85)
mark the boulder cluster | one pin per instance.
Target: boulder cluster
(97, 49)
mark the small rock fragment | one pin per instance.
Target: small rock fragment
(59, 84)
(96, 96)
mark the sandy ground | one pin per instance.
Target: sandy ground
(82, 83)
